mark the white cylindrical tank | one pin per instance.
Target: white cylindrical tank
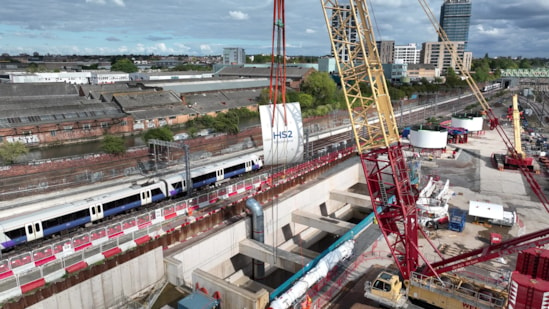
(432, 137)
(473, 122)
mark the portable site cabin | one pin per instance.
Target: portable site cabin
(492, 213)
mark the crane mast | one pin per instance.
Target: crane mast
(513, 149)
(375, 129)
(377, 138)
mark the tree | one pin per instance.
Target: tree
(124, 65)
(162, 133)
(113, 145)
(9, 152)
(321, 86)
(452, 79)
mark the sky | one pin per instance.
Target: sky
(197, 27)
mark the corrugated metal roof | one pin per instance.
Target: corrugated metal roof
(36, 89)
(221, 100)
(16, 112)
(291, 72)
(146, 99)
(212, 85)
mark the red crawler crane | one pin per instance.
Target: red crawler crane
(378, 143)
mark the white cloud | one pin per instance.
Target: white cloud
(206, 49)
(182, 47)
(119, 2)
(487, 31)
(238, 15)
(123, 49)
(310, 30)
(162, 47)
(96, 1)
(103, 2)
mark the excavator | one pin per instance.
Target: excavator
(385, 169)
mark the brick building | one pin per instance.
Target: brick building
(40, 114)
(55, 113)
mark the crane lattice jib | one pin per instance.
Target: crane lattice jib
(362, 64)
(374, 128)
(494, 123)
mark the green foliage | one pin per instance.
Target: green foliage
(432, 121)
(452, 79)
(113, 144)
(33, 68)
(321, 87)
(124, 65)
(258, 59)
(162, 133)
(223, 122)
(192, 131)
(263, 98)
(306, 100)
(226, 122)
(9, 152)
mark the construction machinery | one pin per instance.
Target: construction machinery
(385, 168)
(514, 160)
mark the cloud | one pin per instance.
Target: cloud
(113, 39)
(103, 2)
(310, 31)
(206, 49)
(238, 15)
(158, 38)
(96, 1)
(182, 47)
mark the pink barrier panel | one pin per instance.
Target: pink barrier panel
(33, 285)
(172, 215)
(82, 247)
(111, 252)
(6, 274)
(44, 261)
(76, 267)
(142, 240)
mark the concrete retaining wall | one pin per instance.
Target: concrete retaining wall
(206, 254)
(231, 295)
(312, 197)
(113, 287)
(219, 255)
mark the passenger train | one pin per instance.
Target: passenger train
(35, 225)
(491, 87)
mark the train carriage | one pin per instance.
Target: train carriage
(30, 226)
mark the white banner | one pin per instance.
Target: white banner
(282, 139)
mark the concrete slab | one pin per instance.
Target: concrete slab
(286, 260)
(305, 252)
(356, 200)
(326, 224)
